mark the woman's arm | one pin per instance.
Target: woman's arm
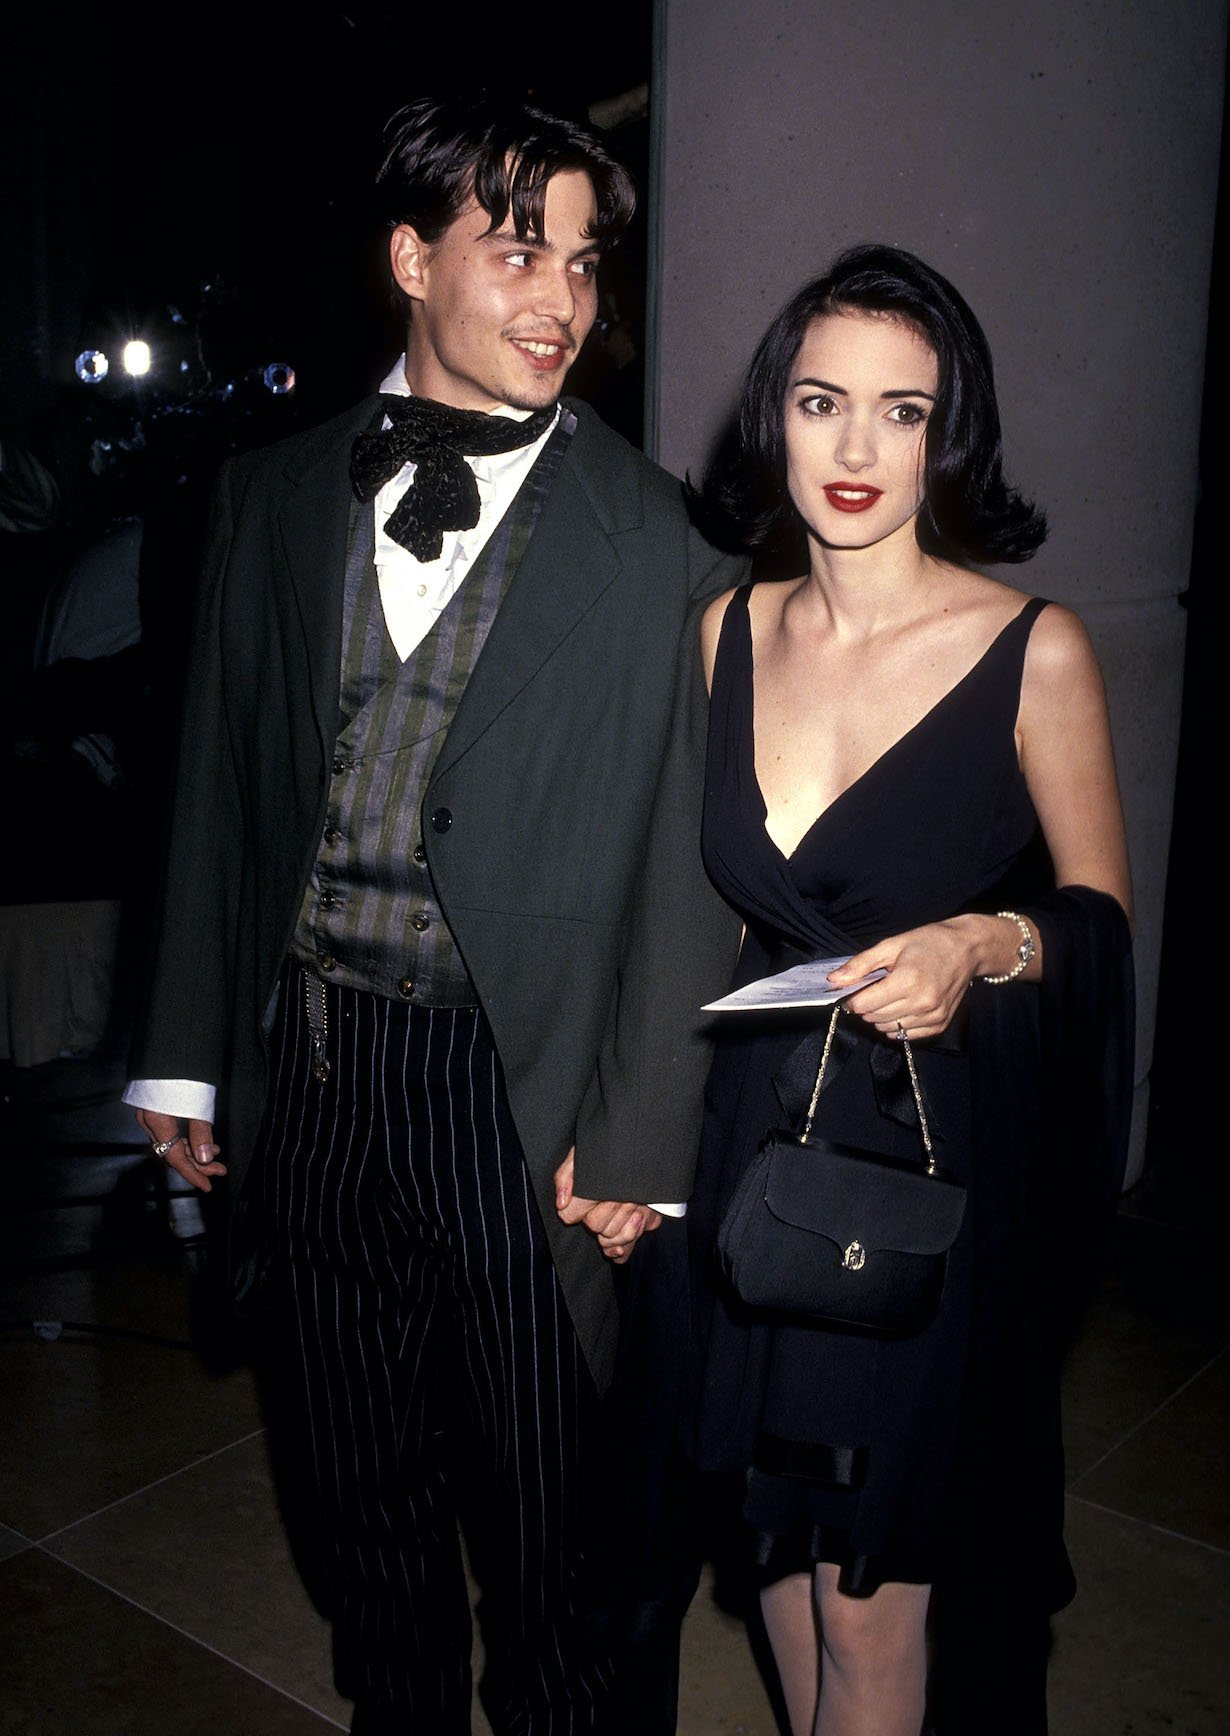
(1063, 732)
(1063, 738)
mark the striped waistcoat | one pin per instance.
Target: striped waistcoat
(370, 918)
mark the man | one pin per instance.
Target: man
(434, 917)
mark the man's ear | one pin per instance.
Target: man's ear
(408, 259)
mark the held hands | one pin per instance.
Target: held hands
(618, 1224)
(929, 970)
(192, 1155)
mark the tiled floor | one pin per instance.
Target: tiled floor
(146, 1587)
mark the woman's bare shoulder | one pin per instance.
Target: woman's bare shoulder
(711, 630)
(983, 601)
(715, 612)
(1060, 649)
(1063, 695)
(1059, 652)
(714, 615)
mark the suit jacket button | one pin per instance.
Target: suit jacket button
(442, 819)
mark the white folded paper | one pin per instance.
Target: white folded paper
(803, 985)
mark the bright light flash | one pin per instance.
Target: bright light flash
(136, 357)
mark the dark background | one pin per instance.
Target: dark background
(149, 150)
(200, 178)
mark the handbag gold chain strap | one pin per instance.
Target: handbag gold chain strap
(909, 1059)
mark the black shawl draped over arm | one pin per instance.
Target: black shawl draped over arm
(1052, 1075)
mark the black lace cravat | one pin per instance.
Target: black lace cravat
(436, 439)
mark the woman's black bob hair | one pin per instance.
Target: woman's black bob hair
(969, 514)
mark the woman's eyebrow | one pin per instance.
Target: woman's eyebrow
(904, 392)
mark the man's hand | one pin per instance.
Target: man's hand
(618, 1224)
(192, 1154)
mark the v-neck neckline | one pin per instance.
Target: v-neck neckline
(880, 758)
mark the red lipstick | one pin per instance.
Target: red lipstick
(851, 496)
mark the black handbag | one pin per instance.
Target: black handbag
(842, 1236)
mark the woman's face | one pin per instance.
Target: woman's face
(861, 390)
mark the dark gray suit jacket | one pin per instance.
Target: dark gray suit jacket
(569, 871)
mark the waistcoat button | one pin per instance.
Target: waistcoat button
(405, 988)
(419, 922)
(326, 961)
(420, 855)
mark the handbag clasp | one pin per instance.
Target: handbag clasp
(855, 1257)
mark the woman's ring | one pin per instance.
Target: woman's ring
(160, 1147)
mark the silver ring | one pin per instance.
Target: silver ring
(160, 1147)
(900, 1030)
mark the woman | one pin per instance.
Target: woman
(911, 763)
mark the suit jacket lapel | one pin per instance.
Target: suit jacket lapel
(313, 519)
(569, 562)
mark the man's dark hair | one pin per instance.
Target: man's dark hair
(968, 514)
(439, 152)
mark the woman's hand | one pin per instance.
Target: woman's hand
(929, 970)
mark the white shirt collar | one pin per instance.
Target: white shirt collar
(413, 592)
(485, 468)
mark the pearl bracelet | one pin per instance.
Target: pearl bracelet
(1025, 951)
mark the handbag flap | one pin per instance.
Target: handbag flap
(848, 1196)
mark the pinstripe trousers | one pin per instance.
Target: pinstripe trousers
(435, 1375)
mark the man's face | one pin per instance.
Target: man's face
(498, 320)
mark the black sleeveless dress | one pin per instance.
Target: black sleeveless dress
(851, 1440)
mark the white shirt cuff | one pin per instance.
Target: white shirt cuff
(671, 1211)
(187, 1098)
